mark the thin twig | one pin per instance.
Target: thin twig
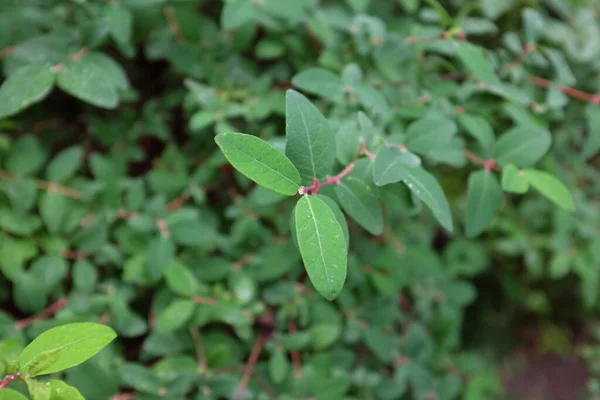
(205, 301)
(169, 14)
(528, 49)
(391, 238)
(569, 91)
(313, 189)
(200, 355)
(45, 185)
(487, 164)
(242, 262)
(178, 202)
(48, 312)
(248, 370)
(73, 255)
(7, 51)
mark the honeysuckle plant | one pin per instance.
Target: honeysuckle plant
(293, 200)
(311, 153)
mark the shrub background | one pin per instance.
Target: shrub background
(116, 205)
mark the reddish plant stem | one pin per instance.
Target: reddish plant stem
(48, 312)
(528, 49)
(124, 396)
(73, 255)
(313, 189)
(205, 301)
(79, 55)
(248, 370)
(163, 227)
(7, 51)
(569, 91)
(296, 363)
(8, 379)
(489, 165)
(242, 262)
(178, 202)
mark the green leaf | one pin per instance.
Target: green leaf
(324, 335)
(237, 13)
(120, 22)
(513, 180)
(77, 342)
(319, 81)
(522, 146)
(339, 216)
(475, 60)
(560, 265)
(532, 24)
(140, 378)
(279, 366)
(445, 18)
(9, 394)
(59, 390)
(180, 280)
(310, 141)
(480, 130)
(359, 201)
(26, 86)
(38, 390)
(64, 164)
(89, 81)
(42, 362)
(260, 161)
(427, 188)
(54, 209)
(322, 245)
(26, 156)
(347, 142)
(390, 165)
(592, 144)
(484, 197)
(429, 133)
(553, 189)
(85, 276)
(174, 316)
(161, 252)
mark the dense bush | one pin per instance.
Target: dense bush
(427, 189)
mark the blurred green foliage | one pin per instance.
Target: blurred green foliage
(115, 197)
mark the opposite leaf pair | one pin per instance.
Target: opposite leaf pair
(53, 351)
(319, 234)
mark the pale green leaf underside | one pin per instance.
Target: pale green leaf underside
(522, 146)
(427, 188)
(319, 81)
(361, 204)
(77, 342)
(390, 165)
(322, 245)
(479, 129)
(429, 133)
(484, 197)
(260, 161)
(310, 142)
(553, 189)
(475, 60)
(513, 180)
